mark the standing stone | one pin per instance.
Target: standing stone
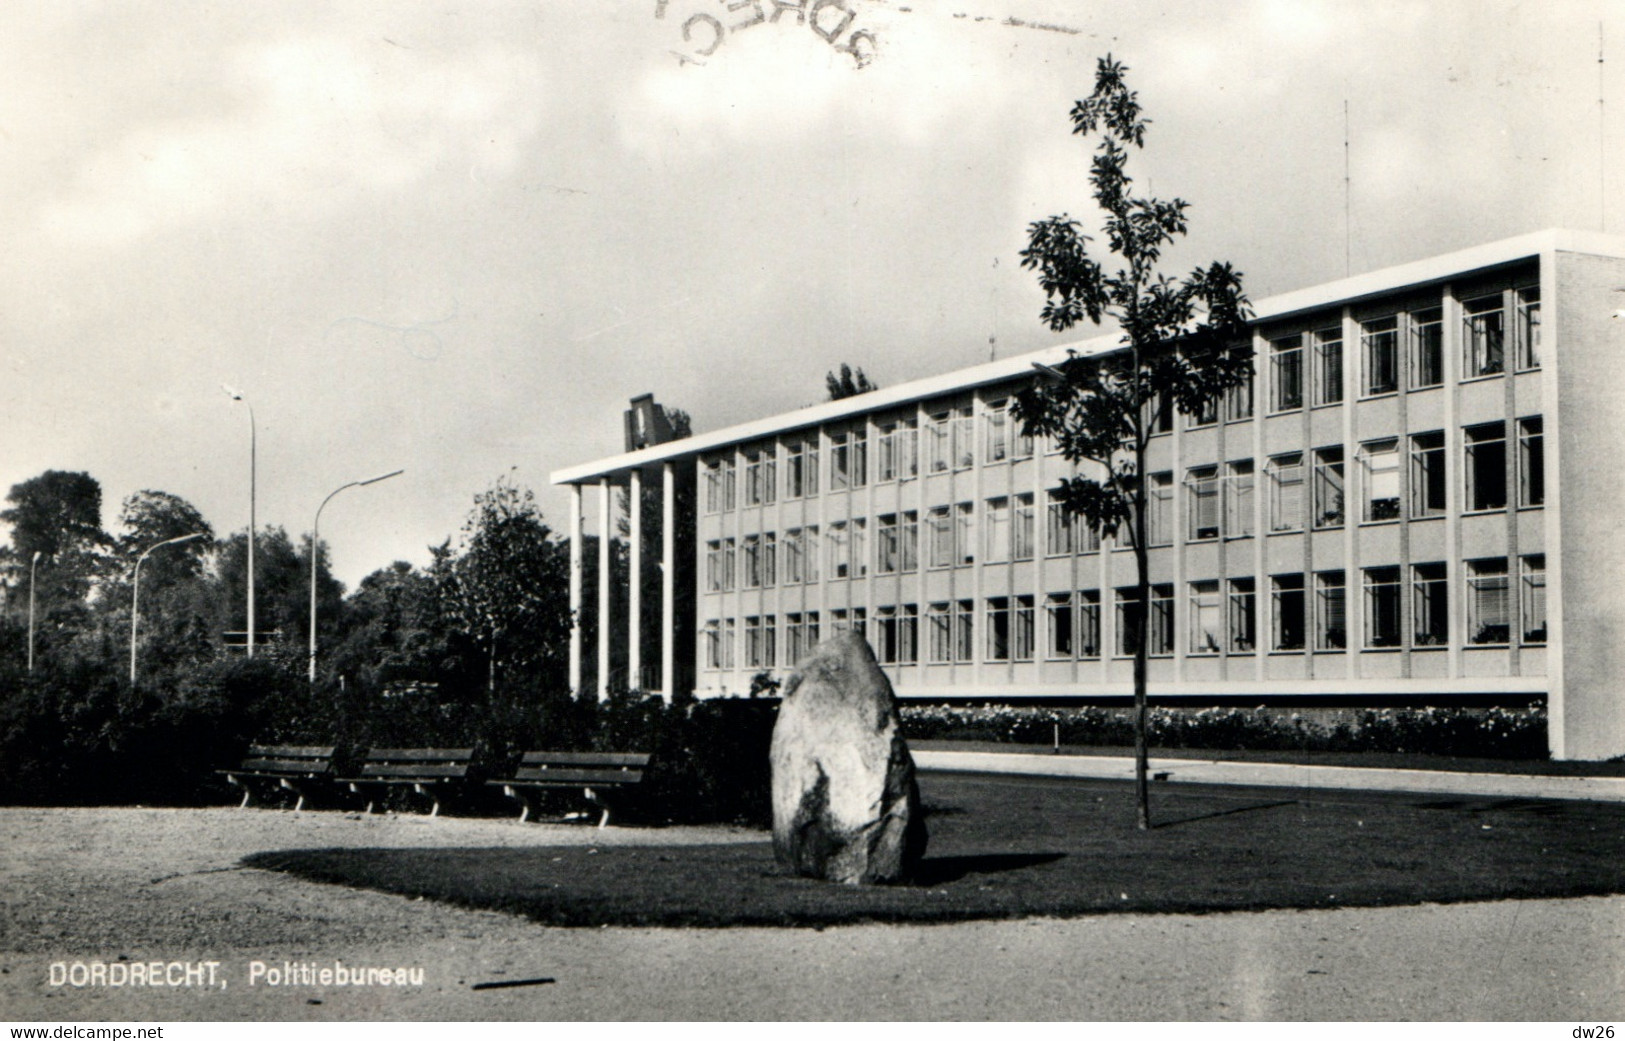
(846, 806)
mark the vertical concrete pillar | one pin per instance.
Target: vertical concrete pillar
(668, 579)
(575, 588)
(604, 535)
(634, 613)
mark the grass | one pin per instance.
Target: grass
(1010, 847)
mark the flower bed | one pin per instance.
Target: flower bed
(1494, 733)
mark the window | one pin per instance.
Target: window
(1328, 366)
(753, 561)
(1287, 608)
(1088, 623)
(713, 644)
(713, 566)
(770, 559)
(909, 537)
(1206, 625)
(729, 557)
(1160, 414)
(1060, 528)
(1206, 414)
(1021, 528)
(965, 631)
(964, 438)
(897, 451)
(1531, 462)
(761, 477)
(998, 628)
(1528, 328)
(1238, 499)
(760, 641)
(1532, 594)
(938, 451)
(1380, 461)
(1022, 633)
(860, 548)
(908, 449)
(941, 534)
(1202, 499)
(1159, 504)
(1062, 632)
(1484, 337)
(795, 470)
(1430, 605)
(840, 462)
(794, 551)
(1379, 341)
(1489, 613)
(1331, 624)
(1427, 348)
(1021, 443)
(1286, 492)
(860, 458)
(888, 549)
(1160, 639)
(886, 453)
(998, 531)
(1382, 623)
(1243, 616)
(1286, 368)
(719, 486)
(1486, 452)
(840, 551)
(1328, 488)
(795, 637)
(965, 534)
(939, 627)
(896, 635)
(810, 555)
(997, 448)
(1238, 401)
(1427, 474)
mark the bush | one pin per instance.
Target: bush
(1494, 733)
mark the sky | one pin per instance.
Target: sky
(455, 238)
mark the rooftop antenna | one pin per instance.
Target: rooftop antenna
(1348, 229)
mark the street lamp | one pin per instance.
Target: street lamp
(315, 527)
(135, 591)
(252, 451)
(32, 565)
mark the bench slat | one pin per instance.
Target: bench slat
(412, 771)
(577, 777)
(584, 759)
(292, 751)
(292, 766)
(419, 755)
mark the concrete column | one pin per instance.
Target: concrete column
(634, 620)
(604, 534)
(575, 588)
(668, 579)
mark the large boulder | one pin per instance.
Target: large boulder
(846, 806)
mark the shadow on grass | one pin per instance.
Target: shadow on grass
(1040, 846)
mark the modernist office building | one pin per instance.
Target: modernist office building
(1419, 496)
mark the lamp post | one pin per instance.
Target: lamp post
(315, 528)
(135, 590)
(32, 565)
(252, 452)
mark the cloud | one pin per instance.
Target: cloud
(317, 119)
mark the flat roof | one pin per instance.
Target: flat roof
(1384, 281)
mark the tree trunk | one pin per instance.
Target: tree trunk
(1142, 568)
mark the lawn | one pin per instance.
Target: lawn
(1006, 847)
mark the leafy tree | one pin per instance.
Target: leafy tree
(59, 516)
(1180, 335)
(393, 627)
(506, 589)
(849, 383)
(151, 517)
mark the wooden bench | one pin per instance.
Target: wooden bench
(427, 771)
(294, 768)
(595, 773)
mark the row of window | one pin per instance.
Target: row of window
(949, 444)
(1485, 325)
(842, 549)
(1222, 618)
(1304, 490)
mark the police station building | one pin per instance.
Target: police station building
(1420, 497)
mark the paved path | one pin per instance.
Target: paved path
(1212, 771)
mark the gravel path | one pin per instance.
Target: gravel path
(96, 884)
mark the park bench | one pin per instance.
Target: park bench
(597, 774)
(294, 768)
(427, 771)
